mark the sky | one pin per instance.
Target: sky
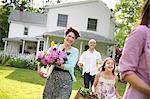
(110, 3)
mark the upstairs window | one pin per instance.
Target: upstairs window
(62, 20)
(26, 29)
(92, 24)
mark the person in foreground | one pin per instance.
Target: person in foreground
(105, 81)
(59, 83)
(135, 60)
(88, 62)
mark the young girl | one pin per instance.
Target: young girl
(105, 81)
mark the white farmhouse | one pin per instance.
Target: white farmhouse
(30, 32)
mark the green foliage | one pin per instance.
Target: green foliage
(3, 60)
(84, 92)
(22, 5)
(32, 65)
(127, 14)
(4, 25)
(20, 63)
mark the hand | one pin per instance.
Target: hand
(80, 64)
(60, 66)
(93, 93)
(43, 75)
(149, 91)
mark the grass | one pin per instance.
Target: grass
(16, 83)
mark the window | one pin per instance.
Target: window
(62, 20)
(92, 24)
(41, 45)
(26, 29)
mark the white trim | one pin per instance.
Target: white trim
(81, 47)
(28, 23)
(38, 46)
(23, 46)
(5, 47)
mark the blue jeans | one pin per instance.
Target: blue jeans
(87, 79)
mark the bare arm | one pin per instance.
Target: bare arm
(95, 82)
(137, 83)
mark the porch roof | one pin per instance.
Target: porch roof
(20, 39)
(84, 36)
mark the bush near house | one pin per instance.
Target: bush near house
(20, 63)
(18, 60)
(3, 60)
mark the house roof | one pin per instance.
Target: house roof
(28, 17)
(76, 3)
(84, 36)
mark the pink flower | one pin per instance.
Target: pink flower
(62, 54)
(44, 61)
(49, 59)
(40, 54)
(53, 56)
(60, 61)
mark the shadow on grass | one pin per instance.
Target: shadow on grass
(30, 76)
(25, 75)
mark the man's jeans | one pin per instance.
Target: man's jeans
(87, 79)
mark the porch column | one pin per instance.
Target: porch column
(38, 45)
(23, 46)
(47, 42)
(5, 47)
(81, 46)
(113, 51)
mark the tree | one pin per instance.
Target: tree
(16, 4)
(127, 15)
(4, 25)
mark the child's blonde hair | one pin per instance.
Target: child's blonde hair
(104, 63)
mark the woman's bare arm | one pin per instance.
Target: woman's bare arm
(137, 83)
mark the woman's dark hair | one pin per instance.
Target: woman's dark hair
(104, 63)
(145, 13)
(74, 31)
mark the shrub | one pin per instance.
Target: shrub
(32, 65)
(22, 63)
(4, 59)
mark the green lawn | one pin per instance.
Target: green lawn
(16, 83)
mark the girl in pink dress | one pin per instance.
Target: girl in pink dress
(105, 81)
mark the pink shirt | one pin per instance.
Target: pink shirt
(136, 59)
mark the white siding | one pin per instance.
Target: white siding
(78, 17)
(17, 30)
(112, 30)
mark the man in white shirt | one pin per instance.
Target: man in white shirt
(88, 61)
